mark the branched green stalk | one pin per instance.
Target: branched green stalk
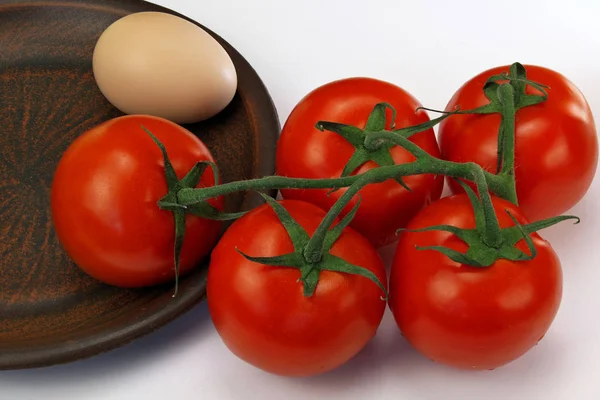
(198, 195)
(425, 164)
(486, 243)
(506, 143)
(491, 229)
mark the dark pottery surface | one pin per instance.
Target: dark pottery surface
(50, 311)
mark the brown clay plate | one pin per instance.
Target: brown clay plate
(50, 312)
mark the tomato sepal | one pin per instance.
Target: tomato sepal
(170, 201)
(380, 154)
(513, 234)
(376, 151)
(483, 251)
(337, 264)
(310, 269)
(173, 186)
(179, 217)
(517, 79)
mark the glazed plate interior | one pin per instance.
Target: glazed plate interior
(50, 311)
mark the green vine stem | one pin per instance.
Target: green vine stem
(487, 242)
(424, 164)
(506, 156)
(189, 196)
(488, 226)
(505, 98)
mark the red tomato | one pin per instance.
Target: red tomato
(556, 150)
(305, 152)
(104, 197)
(261, 312)
(469, 317)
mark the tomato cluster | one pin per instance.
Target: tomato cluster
(296, 310)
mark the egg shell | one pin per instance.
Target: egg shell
(160, 64)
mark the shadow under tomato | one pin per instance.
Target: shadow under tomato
(371, 363)
(190, 327)
(389, 356)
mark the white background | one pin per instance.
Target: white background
(429, 48)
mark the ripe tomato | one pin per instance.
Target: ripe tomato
(469, 317)
(556, 150)
(305, 152)
(261, 312)
(104, 201)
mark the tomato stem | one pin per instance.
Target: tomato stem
(490, 231)
(506, 93)
(452, 169)
(489, 227)
(506, 140)
(313, 252)
(173, 185)
(189, 196)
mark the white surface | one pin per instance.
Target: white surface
(430, 48)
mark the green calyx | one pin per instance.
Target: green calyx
(498, 87)
(376, 151)
(481, 252)
(170, 201)
(310, 269)
(517, 80)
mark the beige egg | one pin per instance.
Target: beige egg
(160, 64)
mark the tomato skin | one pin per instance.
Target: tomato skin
(261, 313)
(305, 152)
(556, 152)
(104, 202)
(468, 317)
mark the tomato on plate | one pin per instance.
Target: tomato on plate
(303, 151)
(261, 312)
(471, 317)
(104, 201)
(556, 146)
